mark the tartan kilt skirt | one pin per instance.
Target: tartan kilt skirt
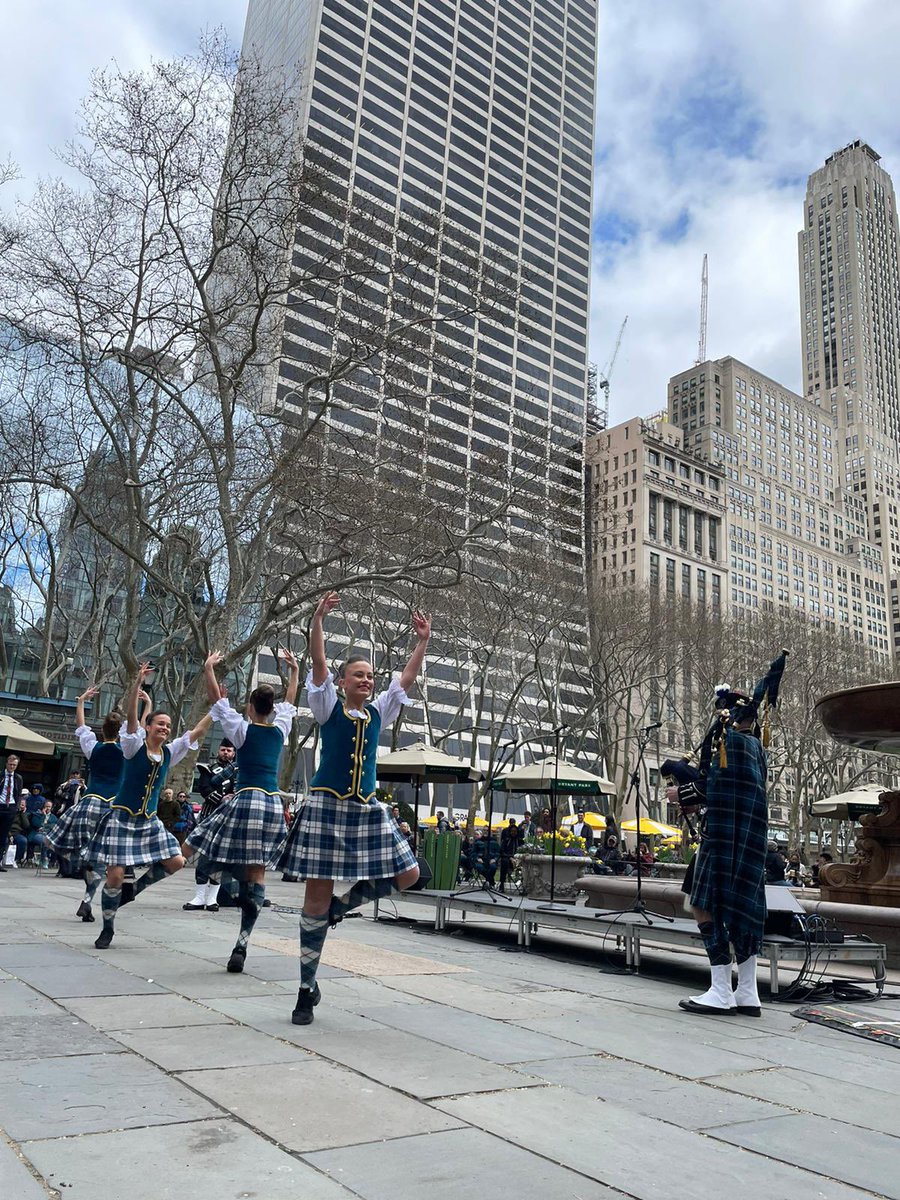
(76, 827)
(245, 830)
(343, 839)
(123, 840)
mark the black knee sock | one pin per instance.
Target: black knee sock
(746, 945)
(715, 940)
(153, 875)
(109, 901)
(361, 893)
(250, 898)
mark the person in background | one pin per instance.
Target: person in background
(395, 812)
(611, 855)
(583, 830)
(526, 827)
(35, 802)
(509, 844)
(775, 866)
(37, 832)
(442, 823)
(10, 786)
(169, 809)
(407, 833)
(68, 793)
(20, 829)
(216, 781)
(822, 860)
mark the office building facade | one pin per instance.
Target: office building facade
(483, 111)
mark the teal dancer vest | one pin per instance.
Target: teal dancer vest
(347, 761)
(105, 770)
(141, 782)
(259, 757)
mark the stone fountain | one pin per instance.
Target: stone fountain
(867, 718)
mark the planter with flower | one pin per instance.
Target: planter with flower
(572, 861)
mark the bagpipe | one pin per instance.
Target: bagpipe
(689, 773)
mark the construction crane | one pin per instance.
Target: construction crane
(704, 300)
(603, 377)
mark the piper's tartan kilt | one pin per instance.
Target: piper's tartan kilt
(245, 830)
(77, 826)
(123, 840)
(729, 874)
(343, 839)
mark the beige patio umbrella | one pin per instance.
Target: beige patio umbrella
(17, 737)
(559, 777)
(849, 806)
(420, 764)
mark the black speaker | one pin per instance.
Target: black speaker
(781, 908)
(425, 876)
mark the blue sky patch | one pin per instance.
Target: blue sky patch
(717, 118)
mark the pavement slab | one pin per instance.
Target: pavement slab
(16, 1180)
(817, 1094)
(314, 1105)
(202, 980)
(86, 978)
(634, 1153)
(689, 1104)
(459, 991)
(206, 1160)
(495, 1041)
(51, 1036)
(202, 1047)
(17, 999)
(413, 1065)
(271, 1014)
(163, 1011)
(824, 1146)
(383, 1171)
(91, 1093)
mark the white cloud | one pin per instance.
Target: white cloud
(716, 113)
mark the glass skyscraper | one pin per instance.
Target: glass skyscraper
(482, 110)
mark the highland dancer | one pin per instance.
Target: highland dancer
(726, 879)
(131, 834)
(342, 832)
(246, 829)
(78, 824)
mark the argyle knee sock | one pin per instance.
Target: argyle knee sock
(153, 875)
(313, 928)
(232, 887)
(251, 897)
(361, 893)
(746, 946)
(715, 940)
(109, 906)
(91, 883)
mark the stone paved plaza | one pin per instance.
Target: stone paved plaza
(439, 1066)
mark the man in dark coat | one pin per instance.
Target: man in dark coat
(726, 880)
(11, 786)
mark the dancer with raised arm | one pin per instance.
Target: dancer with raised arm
(246, 829)
(78, 824)
(131, 834)
(342, 832)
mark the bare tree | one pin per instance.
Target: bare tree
(148, 305)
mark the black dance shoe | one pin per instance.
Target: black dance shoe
(306, 1002)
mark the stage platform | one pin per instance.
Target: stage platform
(631, 930)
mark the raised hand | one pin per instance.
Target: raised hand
(291, 659)
(144, 670)
(421, 623)
(328, 602)
(213, 659)
(144, 696)
(89, 693)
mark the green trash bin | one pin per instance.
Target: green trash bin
(441, 852)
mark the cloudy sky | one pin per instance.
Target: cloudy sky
(711, 113)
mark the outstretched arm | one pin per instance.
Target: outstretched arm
(293, 684)
(147, 702)
(134, 696)
(89, 694)
(317, 637)
(213, 691)
(200, 730)
(422, 626)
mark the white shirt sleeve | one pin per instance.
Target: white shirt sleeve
(180, 747)
(234, 725)
(87, 739)
(131, 742)
(284, 718)
(390, 701)
(321, 697)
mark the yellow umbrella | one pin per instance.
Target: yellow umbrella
(649, 827)
(673, 840)
(595, 820)
(480, 822)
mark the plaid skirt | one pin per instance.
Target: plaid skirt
(245, 830)
(343, 839)
(77, 826)
(122, 840)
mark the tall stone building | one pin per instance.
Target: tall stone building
(850, 300)
(482, 110)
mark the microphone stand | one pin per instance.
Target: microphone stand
(638, 907)
(486, 887)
